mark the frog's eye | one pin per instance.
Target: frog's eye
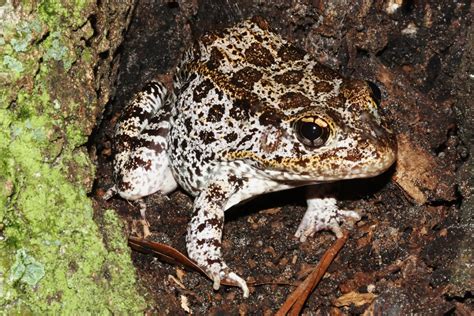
(376, 94)
(312, 131)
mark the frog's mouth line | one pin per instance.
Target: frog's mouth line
(293, 169)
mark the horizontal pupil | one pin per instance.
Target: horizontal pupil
(311, 131)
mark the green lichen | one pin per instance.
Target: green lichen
(55, 49)
(13, 64)
(53, 256)
(26, 269)
(25, 33)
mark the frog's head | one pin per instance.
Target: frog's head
(339, 137)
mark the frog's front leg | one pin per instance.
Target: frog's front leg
(322, 214)
(204, 238)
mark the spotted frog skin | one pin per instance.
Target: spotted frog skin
(249, 114)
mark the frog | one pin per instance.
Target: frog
(249, 114)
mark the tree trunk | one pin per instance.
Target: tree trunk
(56, 76)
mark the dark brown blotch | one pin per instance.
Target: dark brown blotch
(246, 77)
(240, 110)
(245, 140)
(215, 113)
(210, 261)
(258, 55)
(188, 124)
(322, 86)
(258, 38)
(148, 144)
(325, 73)
(207, 137)
(278, 159)
(202, 90)
(198, 155)
(302, 162)
(289, 52)
(215, 221)
(215, 193)
(231, 137)
(197, 171)
(236, 180)
(294, 100)
(123, 185)
(135, 111)
(215, 59)
(354, 155)
(137, 161)
(289, 77)
(162, 131)
(269, 117)
(201, 228)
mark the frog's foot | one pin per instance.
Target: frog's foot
(204, 238)
(110, 193)
(323, 214)
(142, 205)
(207, 255)
(220, 272)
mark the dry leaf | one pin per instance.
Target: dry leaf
(358, 299)
(185, 304)
(414, 170)
(175, 280)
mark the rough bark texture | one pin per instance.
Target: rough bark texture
(56, 72)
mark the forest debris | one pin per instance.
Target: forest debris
(294, 303)
(180, 274)
(175, 280)
(358, 299)
(414, 170)
(167, 254)
(163, 252)
(185, 304)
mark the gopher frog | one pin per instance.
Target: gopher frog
(249, 114)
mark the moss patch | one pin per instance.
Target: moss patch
(53, 254)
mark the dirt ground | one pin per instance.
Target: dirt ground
(412, 248)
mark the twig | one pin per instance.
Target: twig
(294, 303)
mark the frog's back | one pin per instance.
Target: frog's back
(250, 63)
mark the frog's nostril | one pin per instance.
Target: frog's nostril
(376, 94)
(373, 130)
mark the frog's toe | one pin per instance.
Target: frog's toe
(109, 193)
(230, 278)
(341, 217)
(216, 281)
(353, 215)
(313, 222)
(233, 278)
(307, 228)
